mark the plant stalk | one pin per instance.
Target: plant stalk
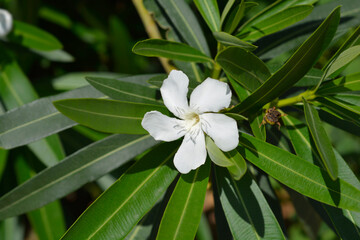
(151, 29)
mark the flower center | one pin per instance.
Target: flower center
(191, 120)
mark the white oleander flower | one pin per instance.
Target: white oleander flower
(194, 119)
(6, 22)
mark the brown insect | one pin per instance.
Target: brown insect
(272, 116)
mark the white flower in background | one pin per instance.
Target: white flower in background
(195, 119)
(6, 22)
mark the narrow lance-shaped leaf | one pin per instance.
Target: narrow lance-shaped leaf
(73, 80)
(247, 212)
(183, 212)
(210, 12)
(229, 40)
(125, 91)
(48, 221)
(226, 10)
(15, 91)
(38, 119)
(321, 140)
(136, 191)
(186, 23)
(276, 22)
(301, 141)
(109, 116)
(82, 167)
(33, 37)
(243, 66)
(343, 84)
(295, 68)
(349, 42)
(300, 175)
(168, 49)
(342, 61)
(234, 17)
(341, 110)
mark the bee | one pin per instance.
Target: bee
(272, 116)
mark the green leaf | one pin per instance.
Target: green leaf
(136, 191)
(204, 230)
(12, 228)
(243, 66)
(183, 212)
(210, 12)
(186, 23)
(48, 221)
(247, 212)
(232, 160)
(342, 84)
(234, 17)
(226, 11)
(341, 62)
(38, 119)
(299, 175)
(352, 99)
(346, 222)
(229, 40)
(290, 38)
(276, 22)
(321, 140)
(15, 91)
(125, 91)
(33, 37)
(311, 78)
(295, 68)
(349, 42)
(74, 80)
(86, 165)
(340, 110)
(168, 49)
(109, 116)
(255, 120)
(55, 55)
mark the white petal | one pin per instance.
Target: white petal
(222, 129)
(191, 154)
(210, 96)
(174, 92)
(6, 22)
(162, 127)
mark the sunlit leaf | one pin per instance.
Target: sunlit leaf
(171, 50)
(109, 116)
(82, 167)
(299, 174)
(183, 212)
(137, 190)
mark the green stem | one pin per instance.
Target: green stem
(216, 71)
(308, 95)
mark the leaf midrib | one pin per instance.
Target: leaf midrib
(131, 195)
(269, 26)
(186, 204)
(245, 208)
(313, 130)
(100, 114)
(297, 173)
(118, 90)
(174, 53)
(73, 172)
